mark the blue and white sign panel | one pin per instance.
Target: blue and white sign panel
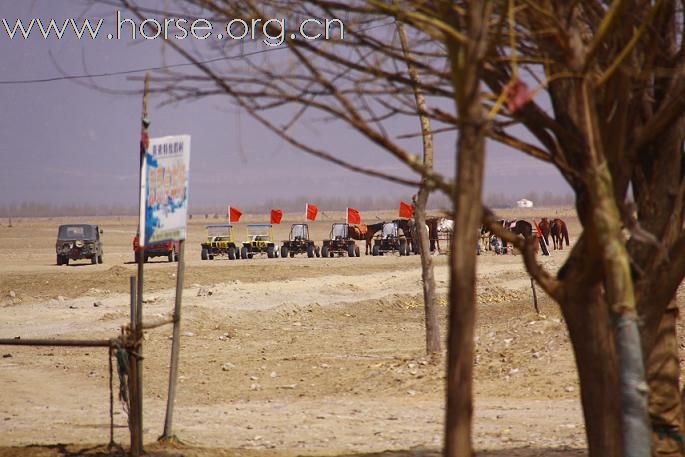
(164, 189)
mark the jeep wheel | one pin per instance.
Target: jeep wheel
(170, 257)
(204, 255)
(284, 251)
(231, 253)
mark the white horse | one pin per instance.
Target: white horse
(445, 227)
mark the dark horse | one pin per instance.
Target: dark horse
(408, 228)
(364, 232)
(519, 227)
(559, 233)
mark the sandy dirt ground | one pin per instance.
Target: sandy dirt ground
(279, 356)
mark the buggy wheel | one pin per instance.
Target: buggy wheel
(284, 251)
(310, 251)
(59, 259)
(356, 251)
(376, 250)
(65, 260)
(94, 260)
(270, 252)
(211, 256)
(231, 253)
(243, 252)
(204, 255)
(100, 258)
(292, 254)
(324, 251)
(350, 250)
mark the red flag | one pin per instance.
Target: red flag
(353, 216)
(233, 214)
(406, 210)
(276, 216)
(310, 212)
(517, 95)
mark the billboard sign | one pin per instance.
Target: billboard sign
(164, 189)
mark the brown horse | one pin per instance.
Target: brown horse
(559, 233)
(438, 226)
(364, 232)
(545, 228)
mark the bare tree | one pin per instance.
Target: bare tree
(420, 203)
(598, 88)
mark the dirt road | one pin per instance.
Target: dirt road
(280, 356)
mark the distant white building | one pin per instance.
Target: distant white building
(524, 203)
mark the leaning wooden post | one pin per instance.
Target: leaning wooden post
(138, 334)
(136, 442)
(175, 344)
(535, 296)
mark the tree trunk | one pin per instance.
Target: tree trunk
(465, 60)
(663, 372)
(605, 228)
(462, 294)
(420, 202)
(589, 326)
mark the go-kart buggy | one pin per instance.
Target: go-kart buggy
(260, 240)
(219, 243)
(299, 243)
(339, 243)
(390, 241)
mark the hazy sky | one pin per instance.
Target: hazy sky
(64, 142)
